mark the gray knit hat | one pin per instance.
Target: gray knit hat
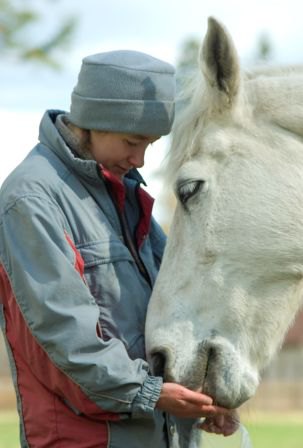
(124, 91)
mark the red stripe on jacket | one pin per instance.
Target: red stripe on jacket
(44, 389)
(146, 204)
(79, 266)
(79, 262)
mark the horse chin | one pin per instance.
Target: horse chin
(230, 394)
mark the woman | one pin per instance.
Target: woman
(79, 255)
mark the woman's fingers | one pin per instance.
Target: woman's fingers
(221, 424)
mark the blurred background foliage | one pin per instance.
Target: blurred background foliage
(19, 17)
(189, 50)
(17, 20)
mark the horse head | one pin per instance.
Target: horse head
(230, 282)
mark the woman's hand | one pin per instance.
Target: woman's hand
(225, 424)
(185, 403)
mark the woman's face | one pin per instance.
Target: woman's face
(117, 152)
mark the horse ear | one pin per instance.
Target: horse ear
(219, 60)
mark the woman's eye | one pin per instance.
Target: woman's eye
(188, 189)
(130, 143)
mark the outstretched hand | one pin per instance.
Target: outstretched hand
(225, 424)
(185, 403)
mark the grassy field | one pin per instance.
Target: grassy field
(275, 430)
(266, 431)
(9, 430)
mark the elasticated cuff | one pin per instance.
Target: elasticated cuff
(145, 401)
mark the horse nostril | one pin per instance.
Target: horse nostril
(158, 363)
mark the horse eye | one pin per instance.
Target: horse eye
(188, 189)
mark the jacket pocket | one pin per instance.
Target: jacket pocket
(102, 252)
(120, 292)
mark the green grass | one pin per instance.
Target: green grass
(266, 431)
(278, 436)
(276, 430)
(9, 430)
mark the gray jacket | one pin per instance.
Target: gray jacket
(73, 302)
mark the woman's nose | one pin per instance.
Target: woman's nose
(136, 158)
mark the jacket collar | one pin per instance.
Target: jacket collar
(88, 169)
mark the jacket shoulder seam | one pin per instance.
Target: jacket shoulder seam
(14, 203)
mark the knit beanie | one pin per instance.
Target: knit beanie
(124, 91)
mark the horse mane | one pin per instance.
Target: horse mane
(276, 91)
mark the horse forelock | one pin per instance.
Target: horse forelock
(197, 105)
(190, 110)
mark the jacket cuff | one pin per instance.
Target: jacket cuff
(146, 399)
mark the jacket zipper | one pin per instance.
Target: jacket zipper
(131, 246)
(128, 241)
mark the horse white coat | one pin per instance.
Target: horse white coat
(230, 282)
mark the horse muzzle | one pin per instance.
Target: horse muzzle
(216, 367)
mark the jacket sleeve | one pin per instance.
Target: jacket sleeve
(56, 318)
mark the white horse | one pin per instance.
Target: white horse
(232, 275)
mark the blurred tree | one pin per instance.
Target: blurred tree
(187, 61)
(188, 58)
(264, 50)
(16, 18)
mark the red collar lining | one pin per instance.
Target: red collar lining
(145, 201)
